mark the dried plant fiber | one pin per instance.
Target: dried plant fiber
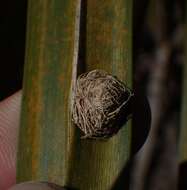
(99, 103)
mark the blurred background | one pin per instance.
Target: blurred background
(12, 45)
(158, 66)
(158, 54)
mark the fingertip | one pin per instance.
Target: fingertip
(37, 186)
(9, 123)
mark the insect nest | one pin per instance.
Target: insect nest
(101, 104)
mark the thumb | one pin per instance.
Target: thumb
(9, 122)
(37, 186)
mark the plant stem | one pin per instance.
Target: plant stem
(50, 147)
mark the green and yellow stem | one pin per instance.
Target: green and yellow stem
(50, 147)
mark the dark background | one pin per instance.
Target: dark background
(12, 45)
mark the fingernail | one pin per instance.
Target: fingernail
(37, 186)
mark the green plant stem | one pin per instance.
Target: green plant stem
(50, 147)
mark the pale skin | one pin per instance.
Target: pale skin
(9, 128)
(9, 122)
